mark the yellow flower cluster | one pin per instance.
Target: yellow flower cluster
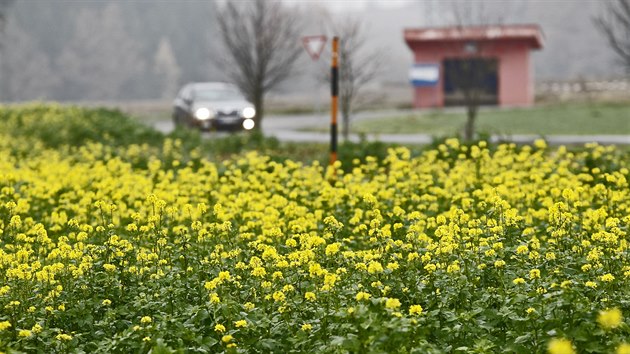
(456, 236)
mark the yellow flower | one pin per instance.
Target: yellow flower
(534, 274)
(109, 267)
(227, 338)
(362, 296)
(4, 290)
(310, 296)
(214, 298)
(393, 266)
(240, 324)
(146, 339)
(37, 328)
(415, 309)
(24, 333)
(540, 143)
(107, 302)
(332, 249)
(259, 272)
(249, 306)
(4, 325)
(530, 310)
(374, 267)
(224, 276)
(211, 285)
(560, 346)
(565, 284)
(500, 263)
(453, 268)
(392, 303)
(219, 328)
(430, 267)
(607, 277)
(63, 336)
(610, 318)
(591, 284)
(146, 319)
(623, 348)
(279, 296)
(518, 281)
(307, 327)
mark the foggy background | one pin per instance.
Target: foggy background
(145, 50)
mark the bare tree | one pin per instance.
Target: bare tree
(469, 74)
(471, 71)
(615, 26)
(358, 66)
(261, 40)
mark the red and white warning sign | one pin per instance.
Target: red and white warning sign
(314, 45)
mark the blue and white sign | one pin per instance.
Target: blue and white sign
(424, 74)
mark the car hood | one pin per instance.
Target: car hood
(222, 106)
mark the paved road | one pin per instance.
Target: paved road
(290, 128)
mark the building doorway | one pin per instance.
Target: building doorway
(471, 79)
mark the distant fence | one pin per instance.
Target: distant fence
(619, 87)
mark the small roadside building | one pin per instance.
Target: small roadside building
(440, 54)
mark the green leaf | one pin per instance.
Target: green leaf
(268, 343)
(522, 339)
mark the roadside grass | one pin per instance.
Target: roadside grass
(561, 119)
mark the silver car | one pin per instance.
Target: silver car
(213, 106)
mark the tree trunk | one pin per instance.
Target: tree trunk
(469, 129)
(260, 110)
(345, 115)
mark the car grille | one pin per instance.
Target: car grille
(232, 113)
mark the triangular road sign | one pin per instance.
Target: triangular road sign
(314, 45)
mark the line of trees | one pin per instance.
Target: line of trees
(105, 50)
(111, 50)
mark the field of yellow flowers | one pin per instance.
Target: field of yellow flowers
(129, 247)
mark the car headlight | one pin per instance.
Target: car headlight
(248, 124)
(203, 113)
(249, 112)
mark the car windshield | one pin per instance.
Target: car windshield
(217, 94)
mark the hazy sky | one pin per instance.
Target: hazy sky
(348, 5)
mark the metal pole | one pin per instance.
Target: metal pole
(334, 88)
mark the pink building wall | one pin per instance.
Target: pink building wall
(509, 45)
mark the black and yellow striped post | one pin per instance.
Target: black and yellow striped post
(334, 88)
